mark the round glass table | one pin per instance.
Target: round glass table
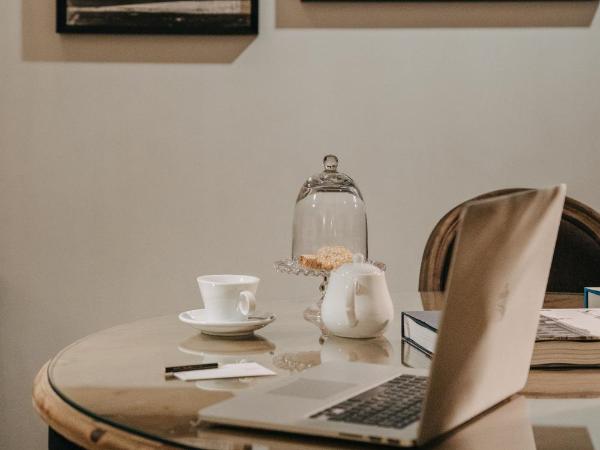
(108, 389)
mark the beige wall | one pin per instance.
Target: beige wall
(129, 165)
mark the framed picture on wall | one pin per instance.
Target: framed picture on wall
(157, 16)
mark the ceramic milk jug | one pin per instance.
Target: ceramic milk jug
(357, 302)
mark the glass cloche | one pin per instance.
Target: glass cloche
(330, 219)
(330, 226)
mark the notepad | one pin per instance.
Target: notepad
(240, 370)
(591, 297)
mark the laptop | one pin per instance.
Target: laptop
(495, 289)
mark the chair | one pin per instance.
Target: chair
(576, 261)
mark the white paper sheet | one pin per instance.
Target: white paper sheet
(584, 321)
(250, 369)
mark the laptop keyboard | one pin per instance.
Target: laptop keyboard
(393, 404)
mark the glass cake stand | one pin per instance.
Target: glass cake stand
(293, 267)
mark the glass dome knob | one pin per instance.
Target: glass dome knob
(330, 163)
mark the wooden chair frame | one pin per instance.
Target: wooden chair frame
(442, 236)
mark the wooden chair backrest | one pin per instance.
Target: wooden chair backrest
(576, 261)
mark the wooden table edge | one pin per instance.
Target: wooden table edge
(78, 427)
(89, 433)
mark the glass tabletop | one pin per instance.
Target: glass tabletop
(117, 376)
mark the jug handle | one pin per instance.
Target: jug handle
(351, 305)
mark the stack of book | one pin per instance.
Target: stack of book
(566, 338)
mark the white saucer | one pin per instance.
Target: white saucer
(196, 319)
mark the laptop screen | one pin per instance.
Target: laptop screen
(496, 286)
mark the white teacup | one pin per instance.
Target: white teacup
(228, 298)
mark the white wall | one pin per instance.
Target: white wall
(129, 165)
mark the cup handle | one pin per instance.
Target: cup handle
(351, 305)
(247, 303)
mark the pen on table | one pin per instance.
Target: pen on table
(170, 371)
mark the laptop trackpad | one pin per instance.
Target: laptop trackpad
(307, 388)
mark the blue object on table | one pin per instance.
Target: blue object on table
(593, 294)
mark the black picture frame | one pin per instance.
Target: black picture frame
(172, 24)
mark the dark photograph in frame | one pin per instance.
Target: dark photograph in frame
(157, 16)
